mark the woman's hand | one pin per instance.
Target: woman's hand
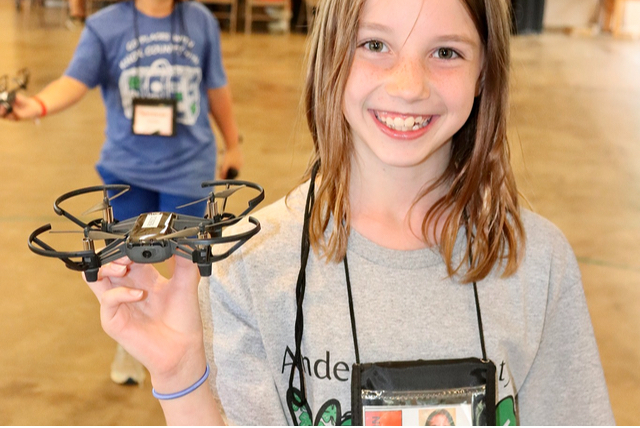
(231, 159)
(23, 107)
(157, 320)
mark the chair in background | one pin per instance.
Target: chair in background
(250, 17)
(231, 15)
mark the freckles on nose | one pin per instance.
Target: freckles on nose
(408, 79)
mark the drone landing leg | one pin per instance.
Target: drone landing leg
(91, 275)
(205, 269)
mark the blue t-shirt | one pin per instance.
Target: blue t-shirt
(173, 57)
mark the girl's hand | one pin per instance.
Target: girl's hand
(157, 320)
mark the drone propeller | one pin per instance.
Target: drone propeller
(98, 234)
(104, 204)
(228, 191)
(22, 78)
(184, 233)
(220, 195)
(92, 234)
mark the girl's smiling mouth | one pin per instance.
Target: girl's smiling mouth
(402, 122)
(403, 126)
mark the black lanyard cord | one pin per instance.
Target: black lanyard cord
(136, 32)
(480, 328)
(300, 289)
(352, 314)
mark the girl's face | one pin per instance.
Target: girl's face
(413, 81)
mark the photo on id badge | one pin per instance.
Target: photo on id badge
(449, 415)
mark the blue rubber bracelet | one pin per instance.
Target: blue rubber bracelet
(184, 391)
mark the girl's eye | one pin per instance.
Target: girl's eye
(446, 53)
(375, 46)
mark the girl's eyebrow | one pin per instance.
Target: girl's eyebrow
(373, 26)
(458, 38)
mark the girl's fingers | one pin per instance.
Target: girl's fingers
(186, 271)
(110, 302)
(116, 269)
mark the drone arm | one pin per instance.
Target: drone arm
(112, 252)
(123, 227)
(184, 221)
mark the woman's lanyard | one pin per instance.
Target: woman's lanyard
(136, 32)
(300, 291)
(156, 115)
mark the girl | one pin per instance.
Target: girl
(413, 247)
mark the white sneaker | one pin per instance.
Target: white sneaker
(126, 370)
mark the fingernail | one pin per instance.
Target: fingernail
(135, 292)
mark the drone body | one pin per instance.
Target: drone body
(152, 237)
(8, 94)
(145, 243)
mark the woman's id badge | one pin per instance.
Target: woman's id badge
(154, 117)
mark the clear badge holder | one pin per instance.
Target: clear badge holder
(425, 393)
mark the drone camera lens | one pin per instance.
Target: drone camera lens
(147, 254)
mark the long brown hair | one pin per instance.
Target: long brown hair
(482, 195)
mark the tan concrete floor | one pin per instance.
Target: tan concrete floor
(575, 128)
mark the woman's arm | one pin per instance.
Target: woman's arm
(55, 97)
(221, 107)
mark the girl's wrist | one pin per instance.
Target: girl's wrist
(183, 392)
(183, 377)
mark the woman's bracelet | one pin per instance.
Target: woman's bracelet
(184, 391)
(42, 106)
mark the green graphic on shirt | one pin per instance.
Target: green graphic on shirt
(330, 413)
(134, 83)
(506, 412)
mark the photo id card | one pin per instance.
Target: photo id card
(443, 415)
(154, 117)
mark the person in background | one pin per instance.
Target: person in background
(77, 14)
(158, 62)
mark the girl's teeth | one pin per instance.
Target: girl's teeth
(408, 124)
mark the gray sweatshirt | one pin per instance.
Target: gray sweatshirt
(536, 325)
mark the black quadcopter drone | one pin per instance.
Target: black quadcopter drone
(8, 94)
(152, 237)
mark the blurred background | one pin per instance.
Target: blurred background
(575, 134)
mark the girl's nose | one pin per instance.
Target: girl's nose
(409, 79)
